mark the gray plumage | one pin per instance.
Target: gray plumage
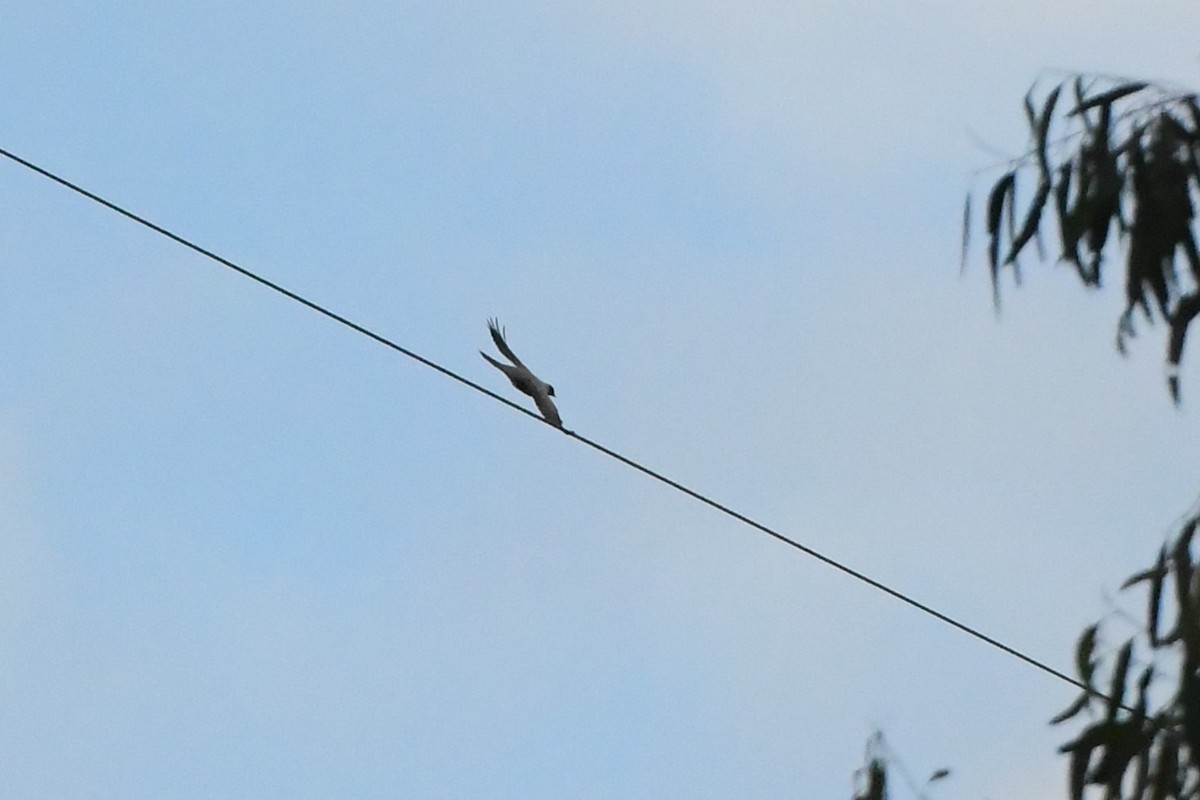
(520, 376)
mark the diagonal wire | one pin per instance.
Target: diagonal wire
(882, 587)
(853, 573)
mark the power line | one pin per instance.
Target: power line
(929, 610)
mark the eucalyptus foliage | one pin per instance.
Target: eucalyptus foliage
(1117, 157)
(1134, 746)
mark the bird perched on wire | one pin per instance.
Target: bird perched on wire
(520, 376)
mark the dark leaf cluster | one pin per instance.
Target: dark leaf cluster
(872, 777)
(1130, 750)
(1125, 160)
(875, 779)
(871, 780)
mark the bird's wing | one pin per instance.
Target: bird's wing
(519, 377)
(498, 337)
(546, 406)
(493, 361)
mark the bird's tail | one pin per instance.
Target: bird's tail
(492, 361)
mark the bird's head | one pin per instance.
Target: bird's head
(550, 390)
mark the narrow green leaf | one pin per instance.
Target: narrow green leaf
(1106, 98)
(996, 198)
(1001, 192)
(1079, 769)
(1146, 574)
(1136, 578)
(1181, 565)
(1087, 122)
(1042, 130)
(1183, 546)
(1104, 126)
(1068, 226)
(1030, 114)
(1032, 220)
(1085, 665)
(1186, 311)
(1142, 781)
(1080, 704)
(1125, 331)
(1011, 208)
(1155, 602)
(1116, 692)
(1166, 770)
(1143, 684)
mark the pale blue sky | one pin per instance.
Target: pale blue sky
(247, 553)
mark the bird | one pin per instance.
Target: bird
(520, 376)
